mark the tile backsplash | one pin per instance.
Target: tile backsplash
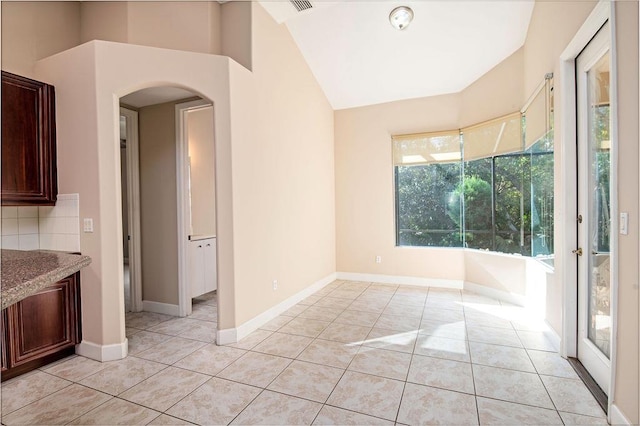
(45, 227)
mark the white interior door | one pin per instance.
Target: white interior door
(593, 79)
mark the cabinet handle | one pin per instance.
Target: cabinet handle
(208, 245)
(200, 246)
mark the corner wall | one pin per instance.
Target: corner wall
(283, 194)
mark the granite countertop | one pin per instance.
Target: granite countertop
(26, 272)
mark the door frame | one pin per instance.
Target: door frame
(591, 355)
(182, 199)
(133, 201)
(566, 205)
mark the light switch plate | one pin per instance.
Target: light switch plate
(88, 225)
(624, 223)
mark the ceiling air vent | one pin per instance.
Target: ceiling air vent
(301, 5)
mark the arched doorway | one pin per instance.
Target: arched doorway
(93, 80)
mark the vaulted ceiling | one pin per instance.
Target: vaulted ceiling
(359, 59)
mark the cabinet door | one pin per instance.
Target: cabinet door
(44, 323)
(28, 142)
(210, 273)
(4, 340)
(196, 267)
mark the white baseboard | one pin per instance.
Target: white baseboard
(232, 335)
(227, 336)
(553, 337)
(161, 308)
(616, 417)
(404, 280)
(103, 353)
(493, 293)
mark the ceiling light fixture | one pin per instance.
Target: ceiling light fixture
(401, 17)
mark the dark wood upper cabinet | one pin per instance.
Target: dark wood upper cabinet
(29, 173)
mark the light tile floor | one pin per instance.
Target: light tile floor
(353, 353)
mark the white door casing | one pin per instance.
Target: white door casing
(133, 201)
(183, 203)
(594, 207)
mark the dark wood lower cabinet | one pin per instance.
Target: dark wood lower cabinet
(3, 346)
(42, 328)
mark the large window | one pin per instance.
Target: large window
(428, 172)
(488, 187)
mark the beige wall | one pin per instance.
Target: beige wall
(627, 393)
(364, 172)
(553, 25)
(35, 30)
(104, 20)
(174, 25)
(189, 26)
(500, 92)
(283, 176)
(203, 176)
(236, 32)
(158, 205)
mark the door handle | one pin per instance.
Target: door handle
(577, 251)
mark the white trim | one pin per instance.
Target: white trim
(596, 19)
(182, 200)
(552, 336)
(615, 210)
(616, 417)
(566, 205)
(593, 359)
(227, 336)
(493, 293)
(133, 202)
(566, 263)
(233, 335)
(103, 353)
(160, 308)
(403, 280)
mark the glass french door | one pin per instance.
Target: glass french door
(593, 79)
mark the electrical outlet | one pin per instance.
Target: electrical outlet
(275, 284)
(378, 259)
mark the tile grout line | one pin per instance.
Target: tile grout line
(362, 347)
(473, 376)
